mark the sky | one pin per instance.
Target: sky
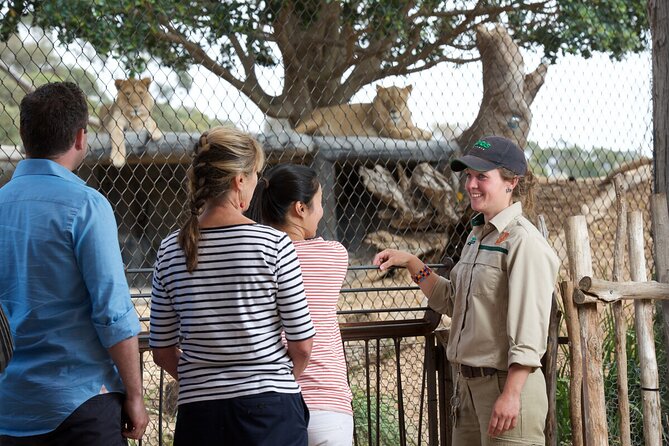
(592, 102)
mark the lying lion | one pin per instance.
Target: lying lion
(131, 109)
(387, 116)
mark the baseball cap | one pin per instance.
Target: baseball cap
(490, 153)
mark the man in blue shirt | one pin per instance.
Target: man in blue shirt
(75, 370)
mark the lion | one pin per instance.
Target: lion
(387, 116)
(131, 109)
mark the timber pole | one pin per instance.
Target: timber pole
(660, 215)
(575, 363)
(551, 357)
(643, 322)
(619, 320)
(658, 19)
(594, 407)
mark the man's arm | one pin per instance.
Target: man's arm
(95, 243)
(125, 355)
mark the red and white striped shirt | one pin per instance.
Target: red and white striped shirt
(324, 382)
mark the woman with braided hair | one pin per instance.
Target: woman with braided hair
(224, 290)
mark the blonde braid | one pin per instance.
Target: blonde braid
(219, 155)
(202, 144)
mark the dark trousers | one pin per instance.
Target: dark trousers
(267, 419)
(97, 422)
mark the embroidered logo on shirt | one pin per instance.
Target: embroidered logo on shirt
(503, 236)
(471, 240)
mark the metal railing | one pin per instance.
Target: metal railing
(397, 371)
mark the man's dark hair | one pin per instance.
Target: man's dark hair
(50, 118)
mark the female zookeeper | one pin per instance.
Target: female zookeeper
(499, 299)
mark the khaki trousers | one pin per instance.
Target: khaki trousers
(477, 397)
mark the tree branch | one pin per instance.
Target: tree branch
(480, 9)
(281, 24)
(250, 87)
(534, 81)
(16, 77)
(248, 61)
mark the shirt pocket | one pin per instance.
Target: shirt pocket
(489, 278)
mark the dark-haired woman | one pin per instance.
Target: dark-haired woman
(224, 290)
(288, 198)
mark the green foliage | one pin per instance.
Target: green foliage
(38, 63)
(661, 345)
(9, 125)
(611, 395)
(389, 431)
(328, 49)
(574, 161)
(611, 26)
(562, 410)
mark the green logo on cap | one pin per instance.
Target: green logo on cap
(482, 144)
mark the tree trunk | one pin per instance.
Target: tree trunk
(426, 200)
(507, 91)
(315, 59)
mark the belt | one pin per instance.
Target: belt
(476, 372)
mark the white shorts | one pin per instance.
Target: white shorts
(330, 428)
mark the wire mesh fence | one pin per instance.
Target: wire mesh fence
(383, 162)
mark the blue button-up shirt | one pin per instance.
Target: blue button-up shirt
(64, 289)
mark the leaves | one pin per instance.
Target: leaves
(328, 48)
(612, 26)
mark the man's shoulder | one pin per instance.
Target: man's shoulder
(52, 189)
(83, 193)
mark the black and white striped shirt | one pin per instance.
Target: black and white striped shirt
(228, 314)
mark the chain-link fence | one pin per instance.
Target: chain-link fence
(427, 78)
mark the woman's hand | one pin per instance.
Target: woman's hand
(507, 407)
(392, 257)
(504, 414)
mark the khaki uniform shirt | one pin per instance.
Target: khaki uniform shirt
(499, 294)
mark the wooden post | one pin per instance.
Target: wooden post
(575, 363)
(658, 19)
(619, 320)
(660, 216)
(550, 358)
(594, 408)
(643, 322)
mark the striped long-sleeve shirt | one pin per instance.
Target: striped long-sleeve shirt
(324, 382)
(228, 314)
